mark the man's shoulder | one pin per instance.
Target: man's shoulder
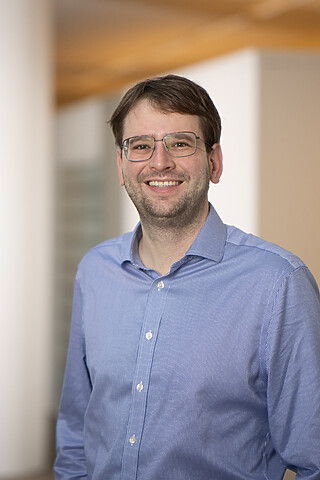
(259, 248)
(112, 250)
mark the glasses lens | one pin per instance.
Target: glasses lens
(181, 144)
(178, 144)
(139, 148)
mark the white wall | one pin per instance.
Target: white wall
(82, 132)
(233, 84)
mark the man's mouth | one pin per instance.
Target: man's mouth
(169, 183)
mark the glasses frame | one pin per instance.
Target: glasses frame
(125, 144)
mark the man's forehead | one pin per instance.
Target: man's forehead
(148, 118)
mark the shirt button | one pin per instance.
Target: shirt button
(160, 285)
(132, 439)
(149, 335)
(140, 387)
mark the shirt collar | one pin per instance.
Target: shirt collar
(209, 243)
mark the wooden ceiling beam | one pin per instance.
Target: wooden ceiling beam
(186, 7)
(104, 60)
(267, 9)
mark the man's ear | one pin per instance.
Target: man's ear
(119, 162)
(215, 159)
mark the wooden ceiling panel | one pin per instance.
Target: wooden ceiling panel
(102, 45)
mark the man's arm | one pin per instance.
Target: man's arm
(293, 369)
(70, 461)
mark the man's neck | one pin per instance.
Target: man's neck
(159, 248)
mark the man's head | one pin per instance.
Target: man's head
(167, 131)
(171, 94)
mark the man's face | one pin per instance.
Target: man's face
(166, 190)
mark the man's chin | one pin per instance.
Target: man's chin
(159, 214)
(175, 214)
(165, 216)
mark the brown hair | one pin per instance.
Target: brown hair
(174, 94)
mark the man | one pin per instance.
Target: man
(195, 348)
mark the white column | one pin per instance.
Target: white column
(26, 233)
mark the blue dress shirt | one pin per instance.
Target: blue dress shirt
(210, 372)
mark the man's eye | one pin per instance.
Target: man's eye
(141, 146)
(181, 144)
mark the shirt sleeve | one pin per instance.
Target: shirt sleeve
(70, 460)
(293, 371)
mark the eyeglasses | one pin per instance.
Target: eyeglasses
(177, 144)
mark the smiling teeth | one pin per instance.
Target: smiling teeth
(155, 183)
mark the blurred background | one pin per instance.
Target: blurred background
(64, 66)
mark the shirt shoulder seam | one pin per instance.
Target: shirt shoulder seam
(290, 258)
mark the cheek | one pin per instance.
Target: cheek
(201, 170)
(131, 173)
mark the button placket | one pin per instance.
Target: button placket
(153, 313)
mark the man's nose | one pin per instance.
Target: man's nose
(161, 159)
